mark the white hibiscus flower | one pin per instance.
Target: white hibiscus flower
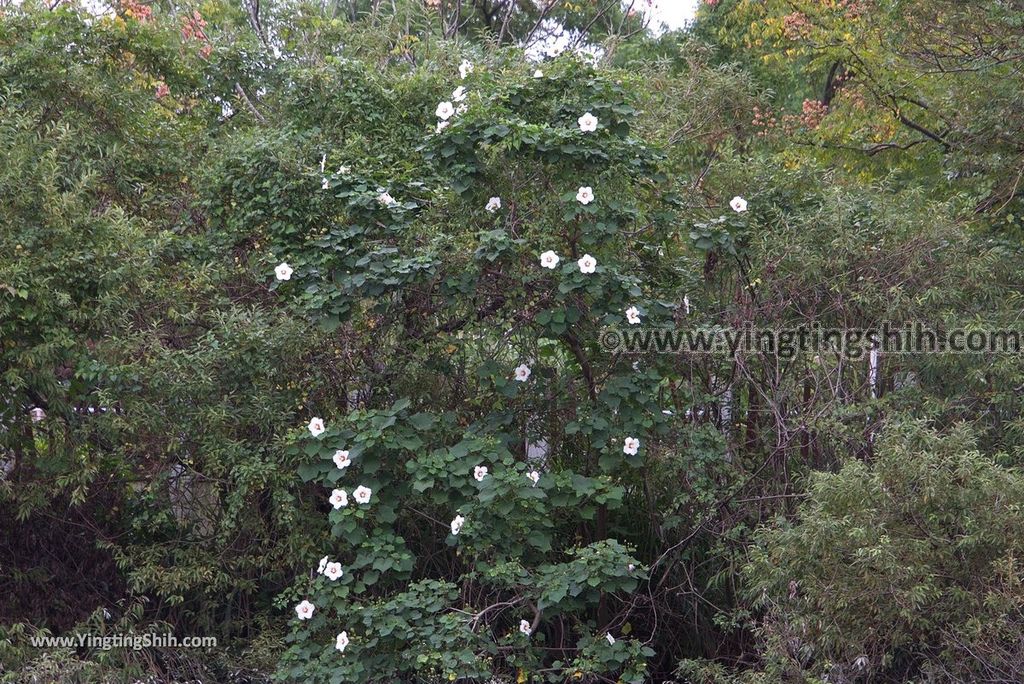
(466, 68)
(587, 122)
(445, 110)
(316, 427)
(333, 571)
(493, 204)
(283, 271)
(341, 641)
(457, 523)
(549, 259)
(630, 446)
(479, 473)
(522, 373)
(633, 315)
(534, 477)
(585, 195)
(524, 627)
(362, 494)
(441, 125)
(325, 183)
(322, 565)
(459, 94)
(338, 498)
(587, 264)
(386, 199)
(341, 459)
(738, 204)
(305, 610)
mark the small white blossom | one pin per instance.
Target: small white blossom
(738, 204)
(549, 259)
(493, 204)
(325, 183)
(522, 373)
(341, 641)
(338, 498)
(585, 195)
(305, 610)
(316, 427)
(610, 639)
(445, 110)
(538, 74)
(462, 108)
(479, 473)
(386, 199)
(524, 627)
(344, 170)
(283, 271)
(630, 446)
(457, 523)
(587, 122)
(441, 125)
(37, 414)
(362, 494)
(587, 264)
(633, 315)
(459, 94)
(333, 571)
(341, 459)
(322, 565)
(466, 68)
(534, 477)
(631, 567)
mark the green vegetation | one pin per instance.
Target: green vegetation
(262, 312)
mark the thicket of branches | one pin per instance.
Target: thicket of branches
(288, 357)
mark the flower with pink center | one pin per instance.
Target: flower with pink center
(549, 259)
(338, 498)
(587, 264)
(305, 610)
(362, 494)
(341, 459)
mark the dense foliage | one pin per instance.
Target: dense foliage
(302, 337)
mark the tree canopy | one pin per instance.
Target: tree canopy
(312, 322)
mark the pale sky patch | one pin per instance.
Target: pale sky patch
(673, 14)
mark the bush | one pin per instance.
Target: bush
(903, 568)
